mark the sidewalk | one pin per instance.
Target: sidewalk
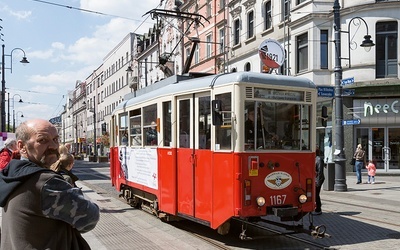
(364, 217)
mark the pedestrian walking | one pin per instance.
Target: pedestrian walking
(371, 172)
(359, 155)
(40, 209)
(319, 180)
(9, 152)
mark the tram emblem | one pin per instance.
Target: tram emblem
(278, 180)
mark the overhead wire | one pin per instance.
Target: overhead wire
(97, 12)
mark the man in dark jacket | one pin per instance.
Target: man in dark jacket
(40, 209)
(319, 180)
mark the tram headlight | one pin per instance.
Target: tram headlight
(302, 198)
(260, 201)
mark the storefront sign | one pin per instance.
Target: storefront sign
(370, 109)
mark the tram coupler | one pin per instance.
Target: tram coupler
(320, 232)
(242, 235)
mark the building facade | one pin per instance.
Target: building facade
(227, 35)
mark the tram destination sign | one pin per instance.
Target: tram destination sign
(352, 122)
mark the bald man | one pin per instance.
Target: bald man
(40, 209)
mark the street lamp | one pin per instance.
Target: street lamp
(20, 100)
(3, 83)
(340, 157)
(93, 110)
(366, 44)
(22, 115)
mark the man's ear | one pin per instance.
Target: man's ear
(21, 146)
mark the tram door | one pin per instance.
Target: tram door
(193, 155)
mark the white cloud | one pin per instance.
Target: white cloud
(41, 54)
(65, 79)
(133, 10)
(18, 14)
(58, 45)
(55, 69)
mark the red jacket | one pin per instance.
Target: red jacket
(6, 155)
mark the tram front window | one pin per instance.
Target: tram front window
(271, 125)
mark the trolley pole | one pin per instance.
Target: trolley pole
(339, 155)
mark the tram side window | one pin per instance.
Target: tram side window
(167, 124)
(204, 122)
(305, 126)
(150, 126)
(123, 129)
(135, 127)
(184, 123)
(223, 133)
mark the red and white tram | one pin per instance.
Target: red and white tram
(186, 149)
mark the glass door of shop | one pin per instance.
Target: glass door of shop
(377, 147)
(385, 148)
(392, 150)
(382, 144)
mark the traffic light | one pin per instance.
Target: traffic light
(324, 116)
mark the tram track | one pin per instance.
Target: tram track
(288, 234)
(369, 208)
(217, 241)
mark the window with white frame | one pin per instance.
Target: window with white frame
(302, 52)
(221, 40)
(267, 15)
(221, 4)
(187, 51)
(197, 54)
(386, 49)
(247, 67)
(324, 49)
(236, 32)
(250, 24)
(286, 9)
(209, 46)
(208, 8)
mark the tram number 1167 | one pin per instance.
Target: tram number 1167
(278, 199)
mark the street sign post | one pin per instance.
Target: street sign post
(326, 91)
(347, 81)
(352, 122)
(348, 92)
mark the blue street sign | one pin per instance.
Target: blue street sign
(351, 122)
(347, 92)
(347, 81)
(326, 91)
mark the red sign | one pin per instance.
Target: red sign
(271, 53)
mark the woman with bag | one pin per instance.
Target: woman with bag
(359, 156)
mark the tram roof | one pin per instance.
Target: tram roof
(178, 84)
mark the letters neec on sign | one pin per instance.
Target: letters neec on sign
(369, 109)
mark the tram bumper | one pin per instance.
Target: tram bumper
(285, 211)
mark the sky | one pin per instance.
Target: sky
(63, 45)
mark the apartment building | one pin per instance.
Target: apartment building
(227, 36)
(306, 31)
